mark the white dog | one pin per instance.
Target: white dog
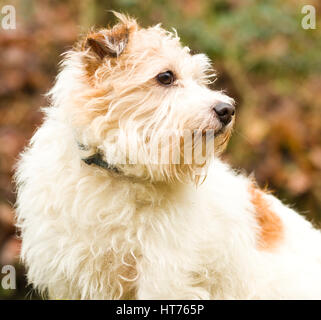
(97, 227)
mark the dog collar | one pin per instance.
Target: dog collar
(96, 159)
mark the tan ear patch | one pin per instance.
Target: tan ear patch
(107, 43)
(110, 43)
(271, 227)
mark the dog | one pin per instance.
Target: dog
(98, 224)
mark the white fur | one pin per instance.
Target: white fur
(84, 228)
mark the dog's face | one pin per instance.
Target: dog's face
(145, 101)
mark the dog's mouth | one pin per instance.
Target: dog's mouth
(214, 132)
(220, 132)
(215, 128)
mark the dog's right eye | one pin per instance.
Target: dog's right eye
(165, 78)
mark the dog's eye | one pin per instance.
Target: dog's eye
(165, 78)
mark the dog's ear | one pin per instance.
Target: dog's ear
(111, 42)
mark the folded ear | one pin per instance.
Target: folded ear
(111, 42)
(108, 42)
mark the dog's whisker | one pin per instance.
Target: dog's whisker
(243, 136)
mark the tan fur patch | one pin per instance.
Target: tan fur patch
(125, 274)
(271, 228)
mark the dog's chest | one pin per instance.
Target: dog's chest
(144, 223)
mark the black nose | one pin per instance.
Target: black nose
(225, 112)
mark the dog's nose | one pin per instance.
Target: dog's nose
(225, 112)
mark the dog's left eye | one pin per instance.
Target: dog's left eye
(165, 78)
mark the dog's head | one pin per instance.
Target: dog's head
(143, 101)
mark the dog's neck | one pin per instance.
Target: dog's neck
(92, 156)
(96, 158)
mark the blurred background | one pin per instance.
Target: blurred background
(264, 59)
